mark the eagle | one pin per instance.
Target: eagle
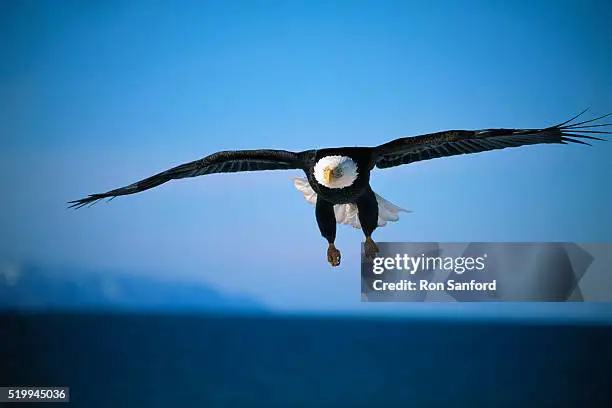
(337, 180)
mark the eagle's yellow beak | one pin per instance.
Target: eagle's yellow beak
(328, 174)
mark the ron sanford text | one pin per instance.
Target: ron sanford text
(426, 285)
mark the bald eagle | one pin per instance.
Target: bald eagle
(337, 180)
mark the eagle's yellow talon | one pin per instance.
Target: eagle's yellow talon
(370, 248)
(333, 255)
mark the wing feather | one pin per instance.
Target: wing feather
(456, 142)
(230, 161)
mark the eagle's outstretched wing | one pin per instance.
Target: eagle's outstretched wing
(454, 142)
(220, 162)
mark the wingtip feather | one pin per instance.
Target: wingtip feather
(569, 139)
(87, 201)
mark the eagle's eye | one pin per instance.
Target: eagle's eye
(338, 172)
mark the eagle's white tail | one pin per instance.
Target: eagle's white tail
(347, 213)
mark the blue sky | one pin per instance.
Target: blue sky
(95, 96)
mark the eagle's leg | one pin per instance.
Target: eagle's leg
(326, 219)
(367, 207)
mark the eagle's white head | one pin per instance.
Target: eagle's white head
(335, 171)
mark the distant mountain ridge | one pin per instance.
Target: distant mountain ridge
(31, 286)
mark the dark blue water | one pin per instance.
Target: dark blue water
(199, 361)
